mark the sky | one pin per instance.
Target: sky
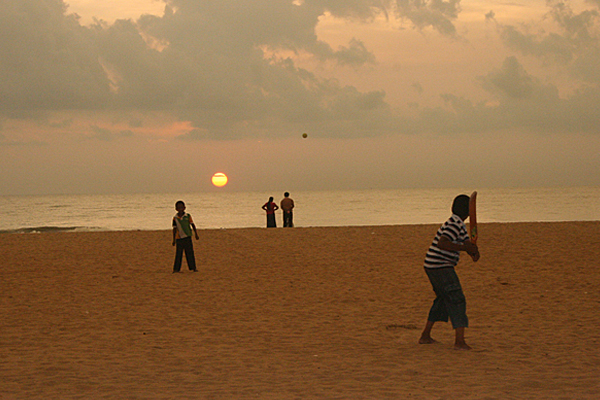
(147, 96)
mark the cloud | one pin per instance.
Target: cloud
(358, 9)
(48, 61)
(193, 135)
(204, 62)
(355, 54)
(437, 14)
(596, 2)
(417, 87)
(555, 45)
(230, 69)
(105, 134)
(573, 40)
(423, 14)
(511, 80)
(231, 87)
(519, 101)
(523, 99)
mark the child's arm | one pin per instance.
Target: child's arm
(470, 248)
(174, 235)
(195, 231)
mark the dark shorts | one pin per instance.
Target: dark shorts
(450, 300)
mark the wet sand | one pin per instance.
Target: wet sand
(302, 313)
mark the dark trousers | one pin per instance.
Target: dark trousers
(288, 219)
(186, 245)
(450, 300)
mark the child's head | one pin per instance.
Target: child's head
(180, 206)
(460, 206)
(271, 199)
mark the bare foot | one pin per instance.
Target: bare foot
(427, 340)
(461, 346)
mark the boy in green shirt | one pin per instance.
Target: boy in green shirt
(182, 238)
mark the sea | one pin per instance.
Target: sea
(225, 210)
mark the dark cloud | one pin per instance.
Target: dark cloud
(557, 46)
(520, 101)
(435, 14)
(203, 61)
(595, 2)
(417, 87)
(108, 135)
(355, 54)
(193, 135)
(510, 81)
(573, 41)
(48, 60)
(226, 67)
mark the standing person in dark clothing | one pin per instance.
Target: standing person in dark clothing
(287, 206)
(270, 207)
(182, 238)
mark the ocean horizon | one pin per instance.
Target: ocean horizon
(223, 210)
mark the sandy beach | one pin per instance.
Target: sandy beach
(303, 313)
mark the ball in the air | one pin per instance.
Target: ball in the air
(304, 135)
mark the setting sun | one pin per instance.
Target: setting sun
(219, 179)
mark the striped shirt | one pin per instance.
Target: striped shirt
(455, 230)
